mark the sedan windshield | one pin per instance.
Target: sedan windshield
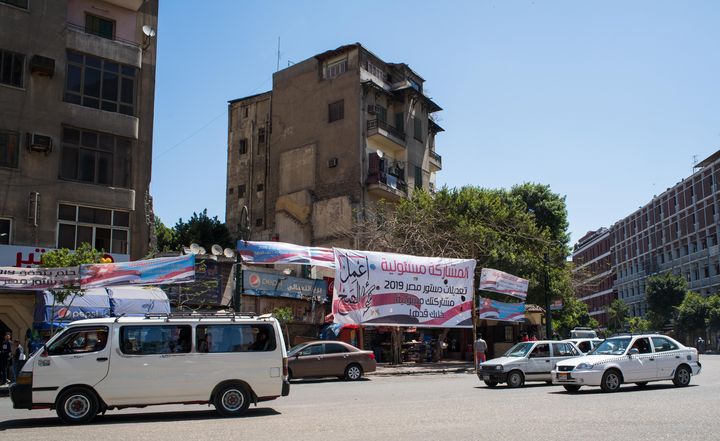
(612, 346)
(296, 349)
(519, 350)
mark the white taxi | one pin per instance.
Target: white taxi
(629, 358)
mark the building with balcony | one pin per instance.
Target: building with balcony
(77, 87)
(593, 273)
(337, 133)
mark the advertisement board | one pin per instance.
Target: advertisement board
(268, 284)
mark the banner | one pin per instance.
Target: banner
(158, 271)
(503, 283)
(280, 252)
(205, 291)
(494, 310)
(38, 278)
(267, 284)
(396, 289)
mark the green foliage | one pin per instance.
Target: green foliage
(547, 208)
(693, 314)
(284, 315)
(165, 237)
(573, 314)
(664, 292)
(617, 313)
(638, 324)
(202, 230)
(713, 303)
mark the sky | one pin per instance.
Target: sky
(607, 102)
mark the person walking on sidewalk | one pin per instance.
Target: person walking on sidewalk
(18, 359)
(480, 348)
(5, 353)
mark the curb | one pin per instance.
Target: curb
(410, 371)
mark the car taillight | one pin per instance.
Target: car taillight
(372, 356)
(285, 367)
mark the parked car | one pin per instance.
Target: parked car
(526, 361)
(95, 365)
(329, 359)
(635, 359)
(583, 332)
(585, 344)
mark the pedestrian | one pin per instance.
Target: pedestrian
(700, 345)
(5, 354)
(18, 358)
(532, 337)
(524, 337)
(480, 348)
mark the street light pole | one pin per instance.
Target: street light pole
(548, 317)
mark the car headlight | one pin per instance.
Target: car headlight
(584, 367)
(499, 367)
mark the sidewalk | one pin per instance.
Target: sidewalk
(439, 367)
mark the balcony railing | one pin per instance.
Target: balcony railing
(434, 156)
(387, 179)
(84, 29)
(375, 124)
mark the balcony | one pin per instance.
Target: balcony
(116, 49)
(435, 162)
(386, 186)
(386, 136)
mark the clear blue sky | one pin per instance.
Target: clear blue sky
(607, 102)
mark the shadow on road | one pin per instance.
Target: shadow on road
(500, 387)
(134, 418)
(326, 380)
(628, 388)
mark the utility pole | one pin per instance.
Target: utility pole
(548, 317)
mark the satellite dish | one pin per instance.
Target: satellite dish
(195, 248)
(229, 253)
(380, 153)
(216, 250)
(147, 30)
(202, 251)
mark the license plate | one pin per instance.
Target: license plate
(486, 377)
(563, 376)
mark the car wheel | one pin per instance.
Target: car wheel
(611, 381)
(682, 376)
(515, 379)
(571, 388)
(231, 400)
(489, 383)
(641, 384)
(353, 372)
(77, 406)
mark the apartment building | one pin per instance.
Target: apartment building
(337, 133)
(592, 272)
(77, 86)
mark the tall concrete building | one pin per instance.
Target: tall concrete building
(337, 133)
(592, 259)
(77, 86)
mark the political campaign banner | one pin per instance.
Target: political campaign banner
(38, 278)
(284, 253)
(388, 289)
(158, 271)
(503, 283)
(494, 310)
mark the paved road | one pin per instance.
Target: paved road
(419, 407)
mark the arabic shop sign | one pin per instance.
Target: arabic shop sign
(28, 257)
(259, 283)
(396, 289)
(38, 278)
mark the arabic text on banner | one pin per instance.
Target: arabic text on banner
(503, 283)
(38, 278)
(281, 252)
(395, 289)
(158, 271)
(494, 310)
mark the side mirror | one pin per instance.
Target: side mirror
(633, 351)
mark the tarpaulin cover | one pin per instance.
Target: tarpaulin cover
(94, 303)
(135, 300)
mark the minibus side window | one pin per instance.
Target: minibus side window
(158, 339)
(235, 338)
(80, 341)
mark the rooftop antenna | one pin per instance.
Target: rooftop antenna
(277, 67)
(695, 162)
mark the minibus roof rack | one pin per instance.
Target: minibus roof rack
(200, 315)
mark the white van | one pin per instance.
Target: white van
(112, 363)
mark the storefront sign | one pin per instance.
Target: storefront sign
(503, 283)
(30, 257)
(38, 278)
(280, 252)
(259, 283)
(494, 310)
(396, 289)
(158, 271)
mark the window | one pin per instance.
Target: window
(235, 338)
(102, 27)
(19, 3)
(5, 230)
(335, 69)
(260, 187)
(80, 341)
(541, 350)
(400, 122)
(261, 136)
(335, 348)
(11, 68)
(241, 191)
(381, 113)
(311, 350)
(336, 111)
(148, 340)
(101, 84)
(9, 148)
(242, 148)
(567, 350)
(97, 158)
(104, 229)
(418, 177)
(259, 222)
(245, 111)
(417, 130)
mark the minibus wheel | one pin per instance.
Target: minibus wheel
(231, 400)
(77, 405)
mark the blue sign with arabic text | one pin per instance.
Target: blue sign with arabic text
(278, 285)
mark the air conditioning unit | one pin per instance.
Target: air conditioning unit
(371, 109)
(42, 65)
(39, 143)
(333, 162)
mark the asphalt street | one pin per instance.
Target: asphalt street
(415, 407)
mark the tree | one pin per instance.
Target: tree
(573, 314)
(713, 303)
(61, 258)
(284, 315)
(617, 313)
(638, 324)
(202, 230)
(664, 292)
(165, 237)
(692, 315)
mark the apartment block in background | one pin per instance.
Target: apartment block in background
(593, 273)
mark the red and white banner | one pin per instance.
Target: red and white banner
(503, 283)
(388, 289)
